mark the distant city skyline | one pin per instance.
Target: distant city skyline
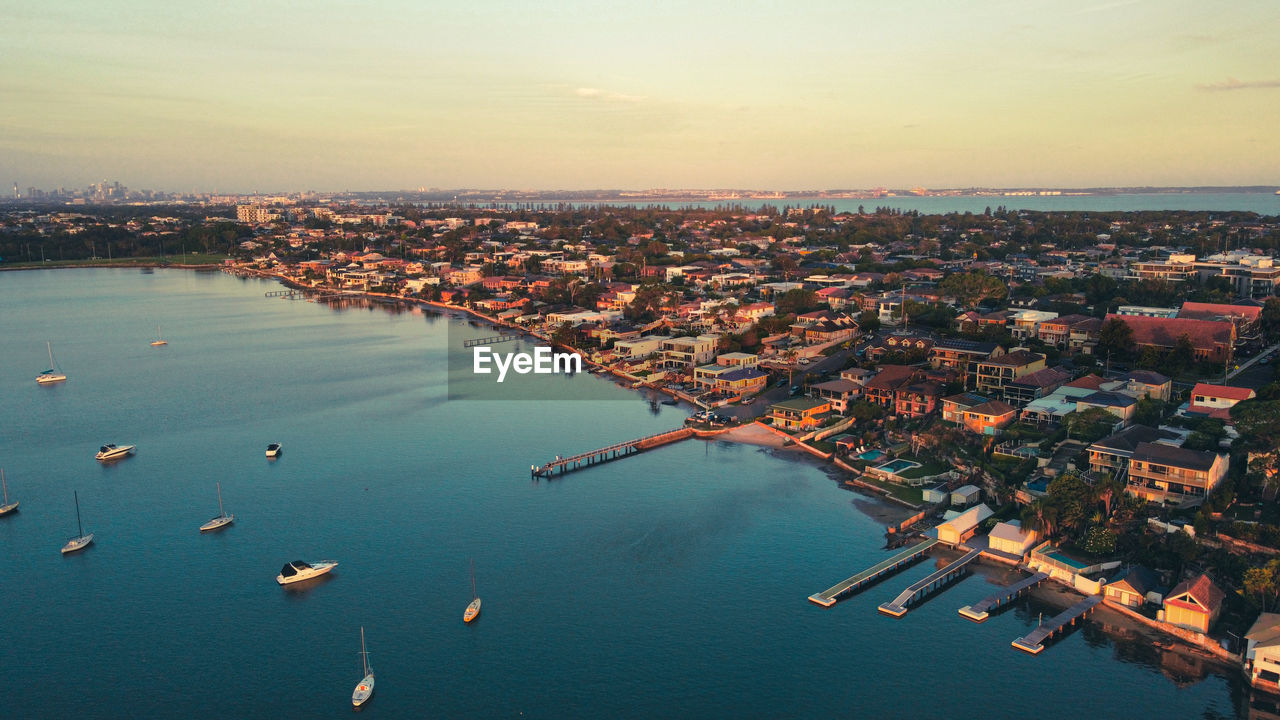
(496, 94)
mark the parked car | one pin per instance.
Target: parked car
(804, 361)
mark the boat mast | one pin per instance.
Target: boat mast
(221, 512)
(78, 525)
(364, 654)
(473, 578)
(49, 345)
(5, 485)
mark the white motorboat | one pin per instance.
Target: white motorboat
(7, 507)
(81, 540)
(364, 690)
(54, 374)
(112, 452)
(273, 450)
(300, 570)
(222, 519)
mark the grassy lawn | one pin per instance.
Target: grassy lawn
(824, 446)
(926, 469)
(915, 496)
(188, 259)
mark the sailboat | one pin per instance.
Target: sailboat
(159, 340)
(473, 610)
(54, 373)
(222, 519)
(80, 541)
(7, 507)
(364, 690)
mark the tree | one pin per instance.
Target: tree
(1183, 355)
(796, 301)
(869, 321)
(1090, 424)
(1115, 338)
(1099, 541)
(1149, 411)
(1263, 584)
(1270, 320)
(971, 288)
(863, 411)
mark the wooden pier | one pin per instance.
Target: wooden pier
(934, 581)
(1033, 642)
(981, 610)
(560, 465)
(489, 340)
(882, 569)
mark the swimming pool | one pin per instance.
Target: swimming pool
(896, 466)
(873, 455)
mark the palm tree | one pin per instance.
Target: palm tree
(789, 355)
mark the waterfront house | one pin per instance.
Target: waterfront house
(917, 399)
(741, 381)
(1010, 537)
(1194, 604)
(1132, 587)
(881, 389)
(1262, 653)
(963, 526)
(953, 406)
(683, 353)
(1160, 473)
(802, 413)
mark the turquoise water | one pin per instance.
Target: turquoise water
(668, 584)
(873, 455)
(898, 466)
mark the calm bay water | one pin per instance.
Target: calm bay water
(669, 584)
(1261, 203)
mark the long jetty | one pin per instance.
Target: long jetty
(1033, 642)
(489, 340)
(882, 569)
(935, 580)
(560, 465)
(981, 610)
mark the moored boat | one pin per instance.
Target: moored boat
(81, 540)
(7, 507)
(110, 451)
(273, 450)
(473, 610)
(364, 689)
(222, 519)
(300, 570)
(54, 374)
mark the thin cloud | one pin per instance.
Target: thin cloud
(1234, 84)
(598, 94)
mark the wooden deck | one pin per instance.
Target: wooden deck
(1033, 642)
(981, 610)
(560, 465)
(935, 580)
(886, 567)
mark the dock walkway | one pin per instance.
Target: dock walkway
(981, 610)
(828, 597)
(935, 580)
(1033, 642)
(605, 454)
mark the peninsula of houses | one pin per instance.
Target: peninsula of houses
(1087, 395)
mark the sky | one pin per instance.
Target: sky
(331, 95)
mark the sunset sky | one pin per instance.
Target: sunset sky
(802, 94)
